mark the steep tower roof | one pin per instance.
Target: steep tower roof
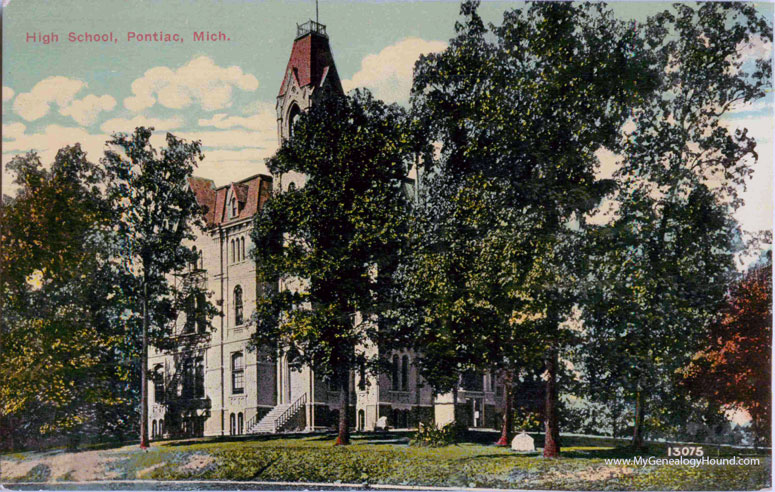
(311, 62)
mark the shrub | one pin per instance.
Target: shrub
(430, 435)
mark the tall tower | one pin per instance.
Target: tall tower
(310, 73)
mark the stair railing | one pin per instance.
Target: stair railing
(289, 412)
(252, 423)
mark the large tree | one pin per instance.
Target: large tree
(661, 266)
(519, 111)
(157, 219)
(64, 358)
(734, 367)
(331, 241)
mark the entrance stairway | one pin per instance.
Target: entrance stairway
(278, 418)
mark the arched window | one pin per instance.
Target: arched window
(233, 252)
(395, 374)
(237, 373)
(293, 116)
(154, 430)
(405, 373)
(238, 319)
(243, 247)
(233, 204)
(240, 422)
(292, 187)
(232, 425)
(158, 384)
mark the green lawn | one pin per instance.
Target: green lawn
(387, 459)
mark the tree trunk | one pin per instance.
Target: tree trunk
(508, 418)
(143, 373)
(343, 438)
(637, 436)
(551, 429)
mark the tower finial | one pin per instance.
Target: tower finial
(317, 16)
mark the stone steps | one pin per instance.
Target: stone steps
(266, 424)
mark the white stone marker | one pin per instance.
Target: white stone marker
(523, 443)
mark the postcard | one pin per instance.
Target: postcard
(386, 244)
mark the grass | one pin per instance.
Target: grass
(388, 459)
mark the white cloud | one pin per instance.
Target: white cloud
(85, 111)
(199, 81)
(757, 212)
(741, 108)
(388, 74)
(128, 125)
(52, 139)
(263, 121)
(61, 91)
(36, 103)
(758, 47)
(46, 144)
(233, 139)
(7, 93)
(233, 154)
(12, 131)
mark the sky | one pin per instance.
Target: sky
(223, 93)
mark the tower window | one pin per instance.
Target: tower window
(293, 117)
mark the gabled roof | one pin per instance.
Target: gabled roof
(240, 191)
(251, 192)
(311, 63)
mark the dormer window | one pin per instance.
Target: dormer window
(233, 205)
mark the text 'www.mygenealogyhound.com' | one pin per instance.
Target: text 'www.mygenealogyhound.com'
(682, 461)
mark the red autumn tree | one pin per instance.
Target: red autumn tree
(734, 369)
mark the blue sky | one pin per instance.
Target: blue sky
(223, 92)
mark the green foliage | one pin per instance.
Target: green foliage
(659, 269)
(60, 305)
(330, 242)
(157, 217)
(433, 436)
(527, 421)
(519, 110)
(38, 473)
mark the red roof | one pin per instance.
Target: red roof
(311, 62)
(251, 192)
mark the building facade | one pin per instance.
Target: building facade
(214, 385)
